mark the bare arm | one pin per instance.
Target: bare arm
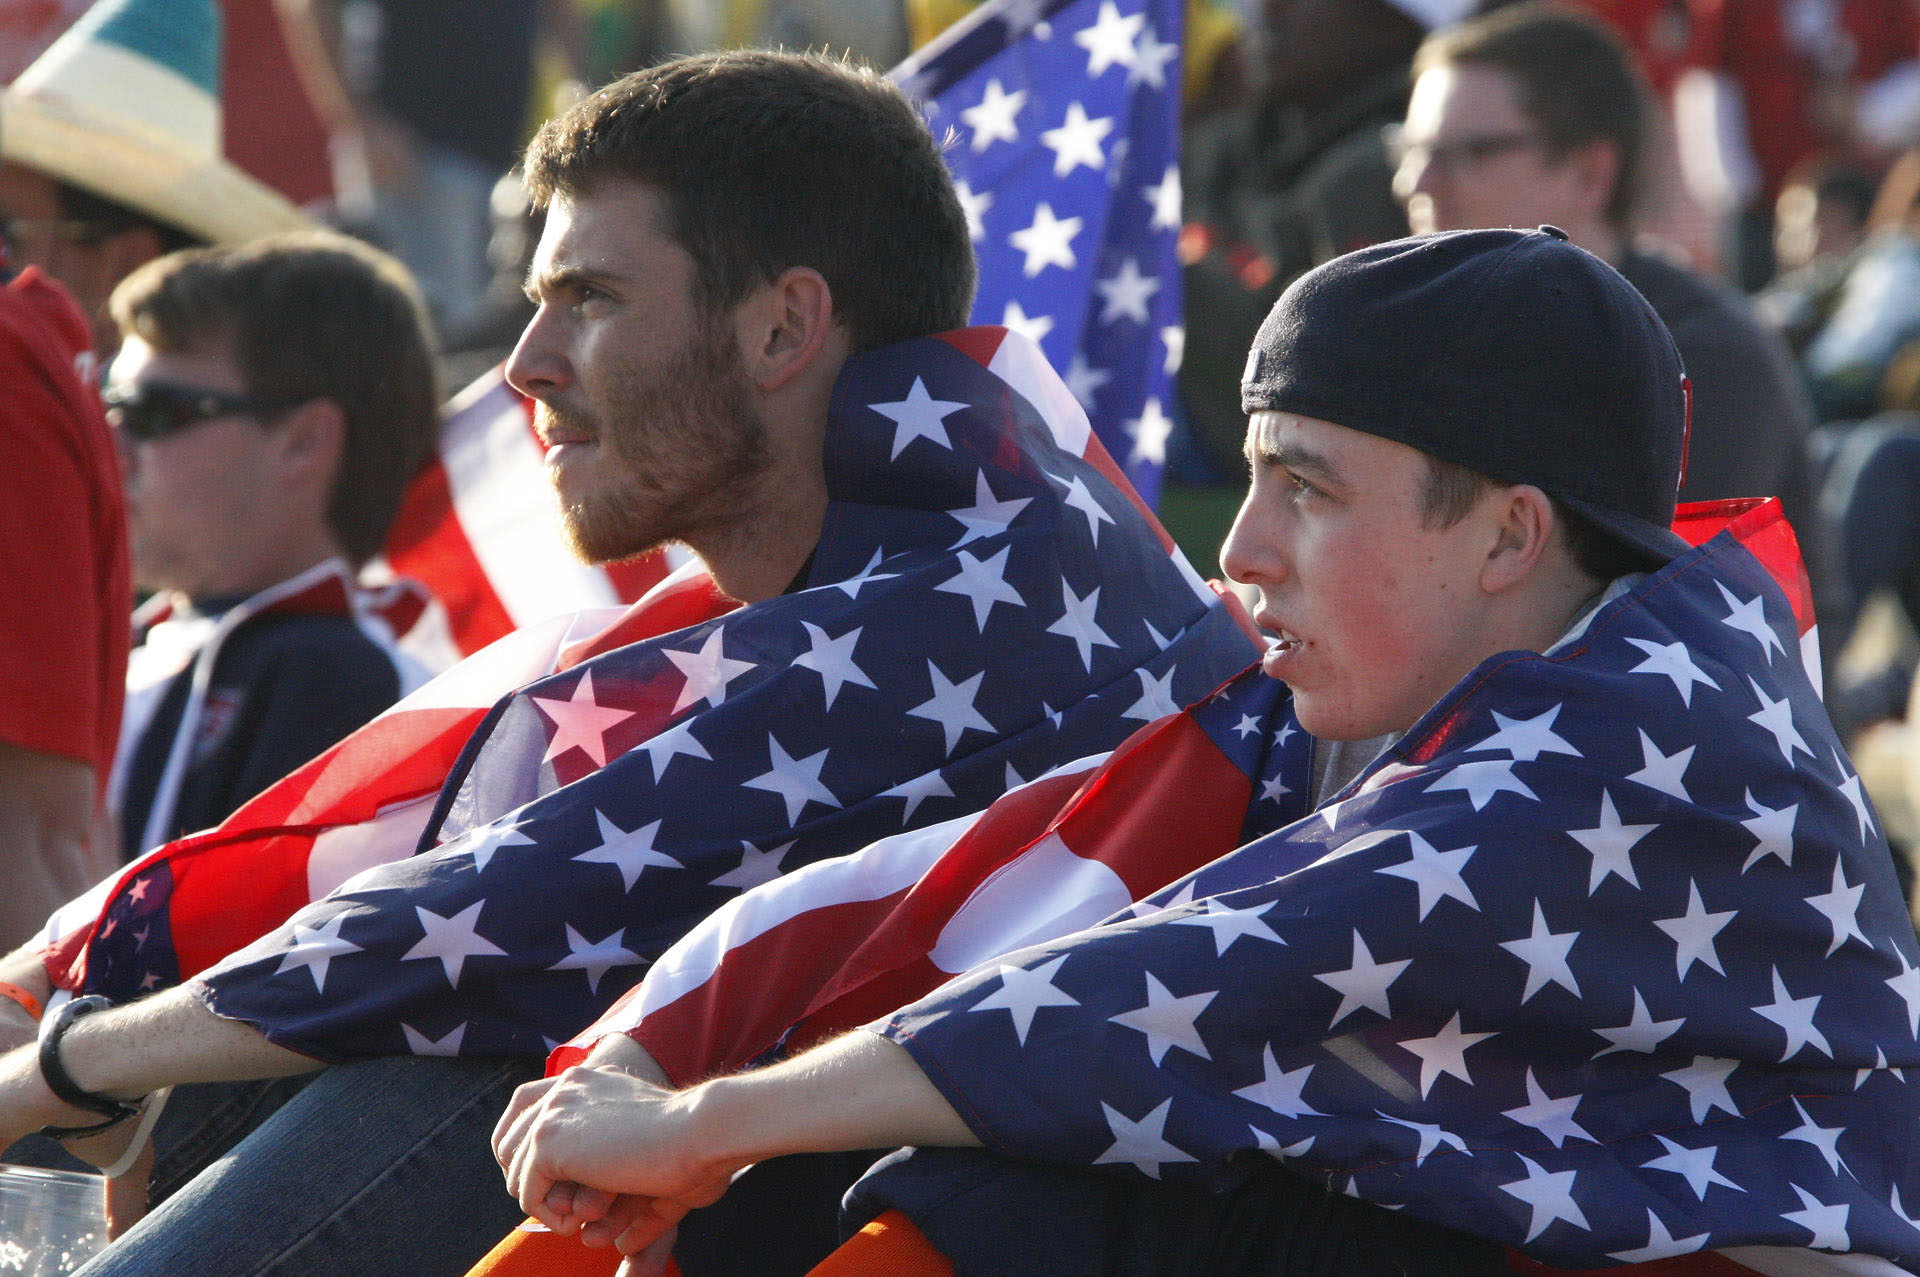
(126, 1052)
(662, 1153)
(47, 844)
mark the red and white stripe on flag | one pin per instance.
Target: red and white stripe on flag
(479, 527)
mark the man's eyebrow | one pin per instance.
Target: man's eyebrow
(1298, 458)
(558, 279)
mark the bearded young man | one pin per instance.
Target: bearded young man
(1556, 922)
(942, 591)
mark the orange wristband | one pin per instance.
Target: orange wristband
(28, 1003)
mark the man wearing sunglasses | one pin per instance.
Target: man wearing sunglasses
(1536, 115)
(271, 403)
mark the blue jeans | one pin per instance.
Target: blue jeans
(372, 1168)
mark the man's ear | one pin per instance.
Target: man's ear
(1524, 525)
(312, 438)
(784, 326)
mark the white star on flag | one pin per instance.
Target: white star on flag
(1693, 933)
(1077, 623)
(1127, 293)
(1156, 697)
(1772, 829)
(1550, 1194)
(832, 660)
(756, 867)
(1641, 1032)
(1850, 790)
(1610, 844)
(707, 671)
(1150, 431)
(1048, 242)
(596, 957)
(1663, 771)
(796, 780)
(973, 206)
(1247, 726)
(1443, 1053)
(1076, 143)
(1167, 1021)
(1482, 780)
(1229, 925)
(918, 789)
(1828, 1224)
(452, 940)
(1280, 1090)
(1545, 954)
(1435, 873)
(1143, 1143)
(1907, 986)
(1431, 1137)
(1364, 984)
(984, 583)
(918, 416)
(631, 853)
(1084, 380)
(1705, 1082)
(665, 747)
(1150, 59)
(952, 705)
(1551, 1117)
(1824, 1138)
(315, 948)
(579, 721)
(1022, 992)
(1165, 198)
(854, 584)
(992, 120)
(448, 1044)
(1795, 1018)
(1672, 660)
(485, 841)
(1109, 41)
(1777, 718)
(1661, 1244)
(1751, 618)
(1695, 1165)
(1527, 738)
(988, 515)
(1033, 327)
(1840, 906)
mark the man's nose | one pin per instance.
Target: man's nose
(538, 366)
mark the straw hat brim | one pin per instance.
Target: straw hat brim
(209, 198)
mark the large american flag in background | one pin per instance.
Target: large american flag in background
(1064, 116)
(1604, 960)
(985, 600)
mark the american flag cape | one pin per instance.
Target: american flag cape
(479, 528)
(1603, 960)
(1064, 116)
(987, 598)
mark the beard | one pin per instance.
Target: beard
(681, 447)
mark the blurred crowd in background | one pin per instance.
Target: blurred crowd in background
(1778, 156)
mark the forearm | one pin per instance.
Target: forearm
(127, 1052)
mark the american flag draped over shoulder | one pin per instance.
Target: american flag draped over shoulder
(985, 600)
(1065, 115)
(1604, 960)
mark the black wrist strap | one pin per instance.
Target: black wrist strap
(64, 1086)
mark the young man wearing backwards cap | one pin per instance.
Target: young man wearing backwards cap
(1599, 958)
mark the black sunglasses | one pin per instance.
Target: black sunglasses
(154, 410)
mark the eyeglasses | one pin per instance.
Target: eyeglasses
(1455, 152)
(154, 410)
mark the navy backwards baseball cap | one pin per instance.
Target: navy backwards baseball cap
(1512, 353)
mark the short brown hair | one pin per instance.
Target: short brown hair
(1576, 81)
(773, 160)
(310, 315)
(1452, 490)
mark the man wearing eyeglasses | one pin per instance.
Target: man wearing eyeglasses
(1536, 115)
(271, 403)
